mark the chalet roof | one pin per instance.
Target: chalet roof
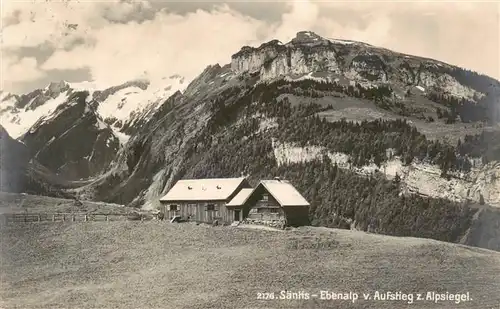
(284, 193)
(210, 189)
(241, 197)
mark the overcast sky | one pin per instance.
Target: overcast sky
(115, 41)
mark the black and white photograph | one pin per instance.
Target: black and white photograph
(159, 154)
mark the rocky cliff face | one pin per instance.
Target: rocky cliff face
(358, 62)
(482, 182)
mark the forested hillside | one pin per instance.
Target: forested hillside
(339, 197)
(365, 142)
(233, 145)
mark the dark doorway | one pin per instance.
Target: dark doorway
(237, 215)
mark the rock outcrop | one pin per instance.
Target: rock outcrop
(310, 53)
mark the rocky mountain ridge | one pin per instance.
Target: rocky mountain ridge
(121, 106)
(73, 141)
(75, 129)
(350, 62)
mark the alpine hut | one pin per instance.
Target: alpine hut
(205, 200)
(272, 202)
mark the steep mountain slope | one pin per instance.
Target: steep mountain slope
(20, 174)
(13, 160)
(75, 129)
(19, 113)
(120, 106)
(73, 141)
(159, 144)
(132, 103)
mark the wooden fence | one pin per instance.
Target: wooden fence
(11, 218)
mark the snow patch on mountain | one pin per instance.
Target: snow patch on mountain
(18, 120)
(122, 104)
(122, 137)
(309, 76)
(421, 178)
(125, 105)
(7, 97)
(100, 125)
(89, 86)
(155, 190)
(132, 104)
(86, 86)
(343, 42)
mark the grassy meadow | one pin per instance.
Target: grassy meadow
(154, 264)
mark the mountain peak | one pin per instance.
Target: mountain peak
(306, 37)
(57, 87)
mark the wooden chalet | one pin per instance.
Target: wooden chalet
(204, 200)
(272, 202)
